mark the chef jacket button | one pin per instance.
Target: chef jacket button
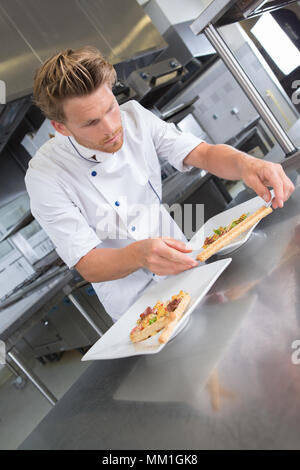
(94, 173)
(117, 203)
(133, 228)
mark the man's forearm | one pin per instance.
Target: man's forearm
(106, 264)
(231, 164)
(220, 159)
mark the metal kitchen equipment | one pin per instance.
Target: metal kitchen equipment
(33, 31)
(123, 92)
(44, 308)
(185, 46)
(153, 81)
(209, 18)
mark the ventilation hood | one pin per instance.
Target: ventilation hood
(32, 31)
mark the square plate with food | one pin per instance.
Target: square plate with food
(189, 287)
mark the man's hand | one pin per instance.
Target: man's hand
(162, 256)
(229, 163)
(259, 174)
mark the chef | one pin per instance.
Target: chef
(95, 187)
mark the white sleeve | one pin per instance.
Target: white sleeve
(60, 218)
(171, 144)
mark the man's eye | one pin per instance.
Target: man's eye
(93, 123)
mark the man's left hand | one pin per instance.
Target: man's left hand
(259, 174)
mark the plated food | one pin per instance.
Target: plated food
(163, 316)
(222, 230)
(225, 235)
(115, 343)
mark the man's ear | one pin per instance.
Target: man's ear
(61, 128)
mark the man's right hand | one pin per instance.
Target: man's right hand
(163, 256)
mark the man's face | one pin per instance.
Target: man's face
(94, 120)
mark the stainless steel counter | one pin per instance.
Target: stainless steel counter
(227, 381)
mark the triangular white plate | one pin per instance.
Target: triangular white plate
(115, 343)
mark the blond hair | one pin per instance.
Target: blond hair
(68, 74)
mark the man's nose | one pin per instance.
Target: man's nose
(109, 125)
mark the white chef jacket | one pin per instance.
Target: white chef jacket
(83, 203)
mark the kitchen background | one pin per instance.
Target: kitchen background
(49, 315)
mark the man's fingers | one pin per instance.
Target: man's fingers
(177, 244)
(283, 186)
(272, 175)
(175, 256)
(289, 188)
(278, 185)
(167, 268)
(261, 189)
(286, 192)
(287, 184)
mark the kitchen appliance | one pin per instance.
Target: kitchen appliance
(123, 92)
(253, 139)
(207, 22)
(153, 81)
(25, 249)
(185, 46)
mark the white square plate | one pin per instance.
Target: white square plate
(224, 218)
(115, 343)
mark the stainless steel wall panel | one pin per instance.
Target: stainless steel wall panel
(124, 27)
(52, 26)
(34, 30)
(17, 60)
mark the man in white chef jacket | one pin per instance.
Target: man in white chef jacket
(95, 186)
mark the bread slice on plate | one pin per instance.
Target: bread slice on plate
(163, 314)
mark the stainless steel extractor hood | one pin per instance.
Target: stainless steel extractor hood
(221, 12)
(243, 9)
(33, 30)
